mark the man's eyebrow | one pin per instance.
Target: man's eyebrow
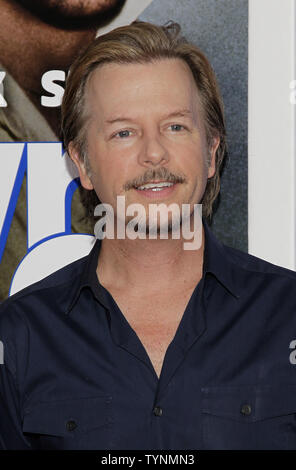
(118, 119)
(177, 113)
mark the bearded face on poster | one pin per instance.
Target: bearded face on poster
(74, 13)
(37, 37)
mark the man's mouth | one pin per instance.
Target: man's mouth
(155, 186)
(156, 189)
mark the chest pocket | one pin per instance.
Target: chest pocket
(249, 417)
(80, 423)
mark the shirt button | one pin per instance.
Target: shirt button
(71, 425)
(157, 411)
(246, 410)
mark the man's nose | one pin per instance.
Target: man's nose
(154, 151)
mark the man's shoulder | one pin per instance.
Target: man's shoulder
(57, 286)
(254, 264)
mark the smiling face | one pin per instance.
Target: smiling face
(145, 135)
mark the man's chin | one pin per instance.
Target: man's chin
(74, 14)
(154, 230)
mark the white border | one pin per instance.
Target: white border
(271, 172)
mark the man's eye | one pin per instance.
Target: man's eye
(122, 134)
(177, 127)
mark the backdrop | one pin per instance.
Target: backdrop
(42, 219)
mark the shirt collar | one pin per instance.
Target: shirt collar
(216, 261)
(88, 278)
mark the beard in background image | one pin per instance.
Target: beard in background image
(74, 14)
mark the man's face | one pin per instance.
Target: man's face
(146, 126)
(77, 12)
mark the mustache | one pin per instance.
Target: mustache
(152, 175)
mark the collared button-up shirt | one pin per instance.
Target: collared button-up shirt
(76, 375)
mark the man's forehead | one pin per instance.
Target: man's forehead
(167, 81)
(155, 66)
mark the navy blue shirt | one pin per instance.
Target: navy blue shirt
(76, 375)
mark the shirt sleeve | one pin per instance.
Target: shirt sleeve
(11, 435)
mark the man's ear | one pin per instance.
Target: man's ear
(75, 157)
(213, 150)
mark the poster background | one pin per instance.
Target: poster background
(220, 29)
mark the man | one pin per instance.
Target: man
(143, 344)
(36, 37)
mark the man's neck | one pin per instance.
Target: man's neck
(29, 48)
(149, 265)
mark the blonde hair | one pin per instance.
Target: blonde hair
(143, 42)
